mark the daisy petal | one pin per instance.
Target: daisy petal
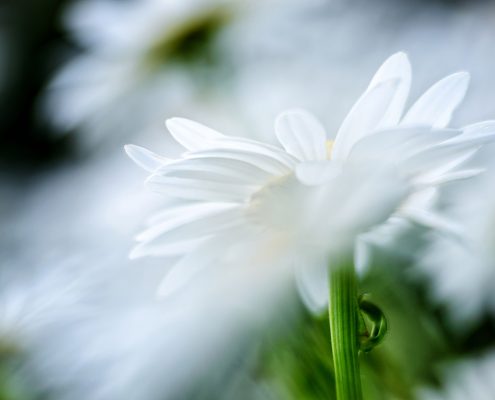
(262, 161)
(312, 284)
(451, 177)
(400, 143)
(238, 143)
(472, 137)
(396, 66)
(145, 158)
(189, 266)
(170, 250)
(432, 220)
(301, 135)
(439, 159)
(192, 135)
(177, 231)
(365, 117)
(199, 189)
(362, 255)
(435, 107)
(179, 275)
(185, 215)
(481, 132)
(219, 169)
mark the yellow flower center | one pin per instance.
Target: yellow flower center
(329, 145)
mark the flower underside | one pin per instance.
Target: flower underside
(312, 196)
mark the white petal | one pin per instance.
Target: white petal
(472, 138)
(182, 215)
(199, 189)
(396, 66)
(262, 161)
(238, 143)
(312, 284)
(180, 274)
(450, 177)
(192, 135)
(399, 143)
(201, 258)
(479, 133)
(439, 159)
(145, 158)
(362, 255)
(301, 135)
(187, 228)
(432, 220)
(435, 107)
(365, 117)
(316, 173)
(422, 198)
(216, 169)
(170, 250)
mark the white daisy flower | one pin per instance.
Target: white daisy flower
(306, 202)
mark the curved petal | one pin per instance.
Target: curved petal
(192, 135)
(168, 233)
(193, 188)
(445, 156)
(398, 143)
(364, 118)
(171, 250)
(432, 220)
(436, 106)
(380, 106)
(396, 66)
(186, 215)
(187, 267)
(312, 284)
(145, 158)
(239, 143)
(219, 169)
(301, 135)
(262, 161)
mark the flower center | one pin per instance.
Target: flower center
(191, 42)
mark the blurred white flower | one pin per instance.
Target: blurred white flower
(308, 201)
(36, 306)
(137, 58)
(30, 302)
(472, 378)
(462, 274)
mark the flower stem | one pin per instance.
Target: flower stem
(343, 313)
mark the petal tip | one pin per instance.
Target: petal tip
(400, 56)
(462, 77)
(130, 149)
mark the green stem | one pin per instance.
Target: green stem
(343, 312)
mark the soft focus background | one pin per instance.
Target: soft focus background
(79, 79)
